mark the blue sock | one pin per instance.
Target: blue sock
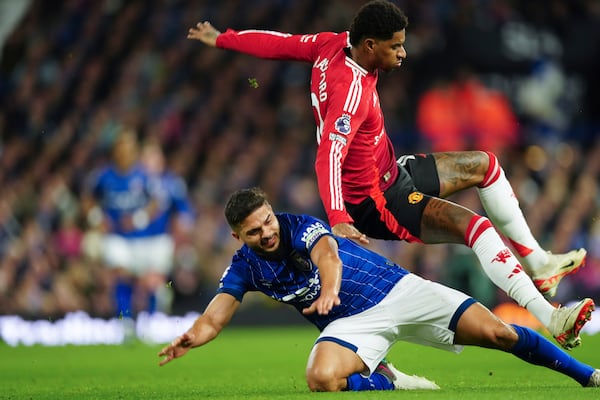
(536, 349)
(377, 381)
(123, 293)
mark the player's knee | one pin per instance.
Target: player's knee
(323, 379)
(492, 168)
(501, 336)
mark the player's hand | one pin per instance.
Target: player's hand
(177, 348)
(323, 304)
(126, 223)
(349, 231)
(204, 32)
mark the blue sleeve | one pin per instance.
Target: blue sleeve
(92, 184)
(179, 194)
(235, 279)
(308, 232)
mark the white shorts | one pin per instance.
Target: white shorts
(139, 255)
(416, 310)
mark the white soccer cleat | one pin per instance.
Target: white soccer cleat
(548, 277)
(402, 381)
(566, 322)
(594, 379)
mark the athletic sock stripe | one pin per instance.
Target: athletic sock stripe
(522, 250)
(477, 226)
(493, 172)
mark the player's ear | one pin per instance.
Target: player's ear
(369, 44)
(235, 235)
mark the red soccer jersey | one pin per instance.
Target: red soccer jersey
(355, 156)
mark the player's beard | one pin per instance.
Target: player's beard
(271, 252)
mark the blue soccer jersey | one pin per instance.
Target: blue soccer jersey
(169, 191)
(366, 276)
(120, 194)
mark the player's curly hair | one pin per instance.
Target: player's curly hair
(377, 19)
(243, 203)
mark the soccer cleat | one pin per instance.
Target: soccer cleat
(594, 379)
(566, 322)
(402, 381)
(548, 277)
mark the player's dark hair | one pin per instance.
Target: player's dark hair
(377, 19)
(243, 203)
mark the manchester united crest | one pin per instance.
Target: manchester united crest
(415, 197)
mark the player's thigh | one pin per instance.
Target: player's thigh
(444, 221)
(425, 312)
(395, 217)
(422, 169)
(332, 360)
(154, 254)
(459, 170)
(117, 252)
(413, 203)
(369, 335)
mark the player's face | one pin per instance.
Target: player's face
(125, 152)
(390, 53)
(260, 230)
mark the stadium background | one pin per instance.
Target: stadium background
(73, 72)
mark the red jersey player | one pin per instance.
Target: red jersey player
(364, 190)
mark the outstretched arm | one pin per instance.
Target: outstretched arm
(331, 155)
(204, 32)
(216, 316)
(260, 43)
(325, 256)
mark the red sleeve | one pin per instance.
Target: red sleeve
(273, 45)
(337, 130)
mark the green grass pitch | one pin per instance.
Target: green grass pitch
(267, 363)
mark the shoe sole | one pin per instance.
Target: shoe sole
(548, 286)
(570, 339)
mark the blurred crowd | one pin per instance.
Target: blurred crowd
(517, 78)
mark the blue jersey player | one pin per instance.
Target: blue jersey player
(361, 302)
(172, 219)
(136, 205)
